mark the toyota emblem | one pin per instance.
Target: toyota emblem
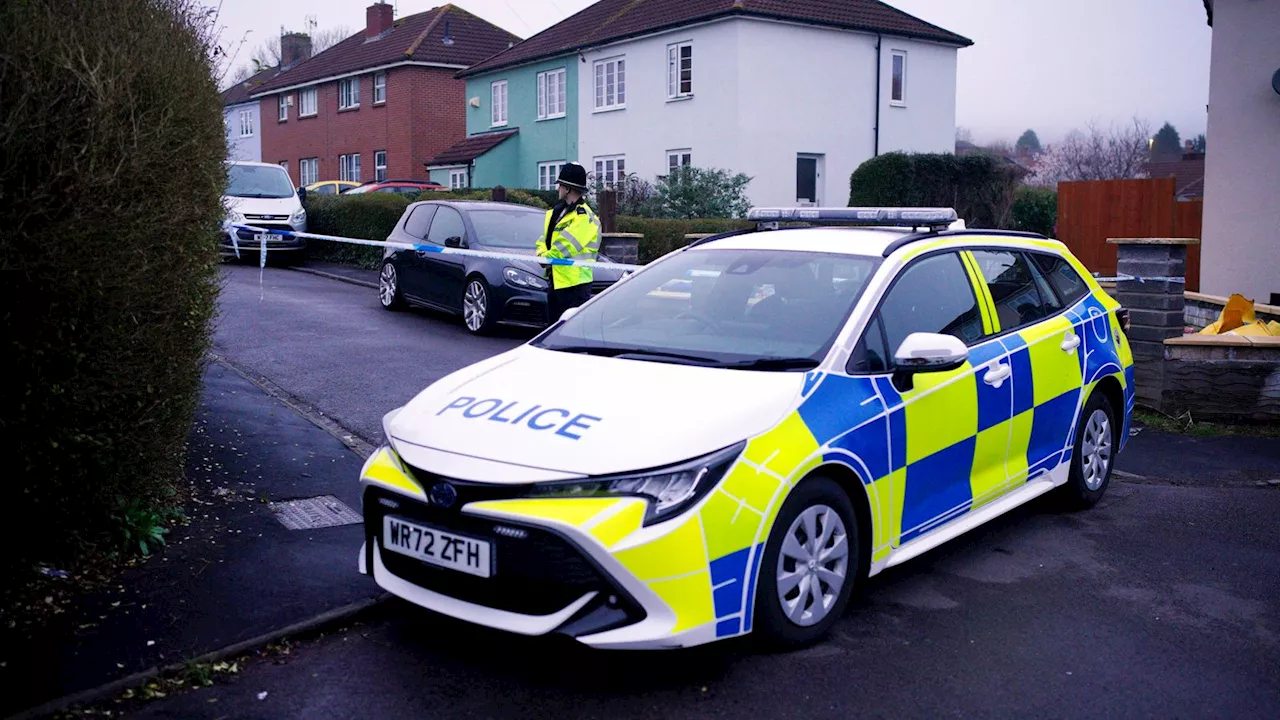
(444, 494)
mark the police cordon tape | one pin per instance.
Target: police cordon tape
(1124, 278)
(558, 262)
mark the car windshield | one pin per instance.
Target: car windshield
(507, 228)
(253, 181)
(746, 309)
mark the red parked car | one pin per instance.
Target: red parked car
(404, 187)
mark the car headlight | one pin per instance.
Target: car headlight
(669, 490)
(523, 279)
(299, 215)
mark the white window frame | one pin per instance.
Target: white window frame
(303, 96)
(283, 113)
(674, 69)
(601, 71)
(551, 94)
(548, 174)
(902, 86)
(609, 169)
(457, 178)
(379, 88)
(498, 103)
(349, 93)
(349, 167)
(308, 171)
(379, 165)
(246, 123)
(679, 158)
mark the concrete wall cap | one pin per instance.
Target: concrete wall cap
(1153, 241)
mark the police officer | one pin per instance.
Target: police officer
(572, 233)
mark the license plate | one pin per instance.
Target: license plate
(263, 237)
(437, 547)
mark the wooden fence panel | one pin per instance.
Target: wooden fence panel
(1089, 212)
(1186, 223)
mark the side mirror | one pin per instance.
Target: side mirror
(927, 352)
(302, 194)
(453, 242)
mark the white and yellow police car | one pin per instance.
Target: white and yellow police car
(733, 438)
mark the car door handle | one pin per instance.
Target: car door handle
(1071, 342)
(997, 374)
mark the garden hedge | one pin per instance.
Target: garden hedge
(1036, 210)
(111, 177)
(661, 236)
(981, 188)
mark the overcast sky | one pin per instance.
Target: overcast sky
(1051, 65)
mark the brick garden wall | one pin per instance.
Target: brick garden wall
(424, 114)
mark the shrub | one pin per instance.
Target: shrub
(367, 216)
(980, 187)
(661, 236)
(524, 197)
(111, 178)
(1035, 210)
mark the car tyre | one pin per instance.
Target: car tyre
(389, 287)
(1097, 440)
(814, 541)
(478, 314)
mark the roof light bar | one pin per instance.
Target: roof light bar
(867, 216)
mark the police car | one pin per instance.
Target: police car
(734, 438)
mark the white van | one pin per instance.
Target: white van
(262, 195)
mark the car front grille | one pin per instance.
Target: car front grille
(525, 311)
(538, 574)
(599, 286)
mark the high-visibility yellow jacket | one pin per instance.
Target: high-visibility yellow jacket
(576, 236)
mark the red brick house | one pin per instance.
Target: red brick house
(380, 103)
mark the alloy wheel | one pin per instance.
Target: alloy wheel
(813, 565)
(387, 285)
(1095, 451)
(475, 305)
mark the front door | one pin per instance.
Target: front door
(445, 272)
(808, 179)
(949, 430)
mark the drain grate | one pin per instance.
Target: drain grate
(316, 512)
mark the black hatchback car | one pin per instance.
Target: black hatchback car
(484, 291)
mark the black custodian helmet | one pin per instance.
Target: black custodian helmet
(573, 175)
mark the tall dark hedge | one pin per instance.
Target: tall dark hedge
(980, 187)
(111, 176)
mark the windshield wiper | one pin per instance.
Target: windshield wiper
(774, 363)
(637, 354)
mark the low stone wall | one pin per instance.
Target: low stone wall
(621, 247)
(1201, 310)
(1222, 377)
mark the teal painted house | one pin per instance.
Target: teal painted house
(522, 125)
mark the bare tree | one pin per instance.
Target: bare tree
(964, 134)
(1118, 152)
(268, 53)
(322, 40)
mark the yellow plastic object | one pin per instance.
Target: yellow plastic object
(1238, 318)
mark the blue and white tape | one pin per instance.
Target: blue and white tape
(1123, 278)
(558, 262)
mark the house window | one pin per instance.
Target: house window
(380, 165)
(679, 70)
(246, 123)
(611, 84)
(679, 159)
(611, 170)
(349, 167)
(307, 102)
(308, 171)
(551, 95)
(349, 93)
(458, 177)
(498, 96)
(898, 86)
(379, 88)
(284, 108)
(548, 173)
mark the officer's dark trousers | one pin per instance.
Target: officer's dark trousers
(564, 298)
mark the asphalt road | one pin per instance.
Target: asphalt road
(1164, 601)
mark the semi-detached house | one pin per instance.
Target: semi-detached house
(380, 103)
(794, 93)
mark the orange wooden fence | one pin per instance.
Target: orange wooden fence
(1089, 212)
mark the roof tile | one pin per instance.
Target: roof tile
(610, 20)
(471, 148)
(240, 92)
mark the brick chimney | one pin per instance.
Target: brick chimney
(294, 48)
(379, 17)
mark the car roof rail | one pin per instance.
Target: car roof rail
(905, 240)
